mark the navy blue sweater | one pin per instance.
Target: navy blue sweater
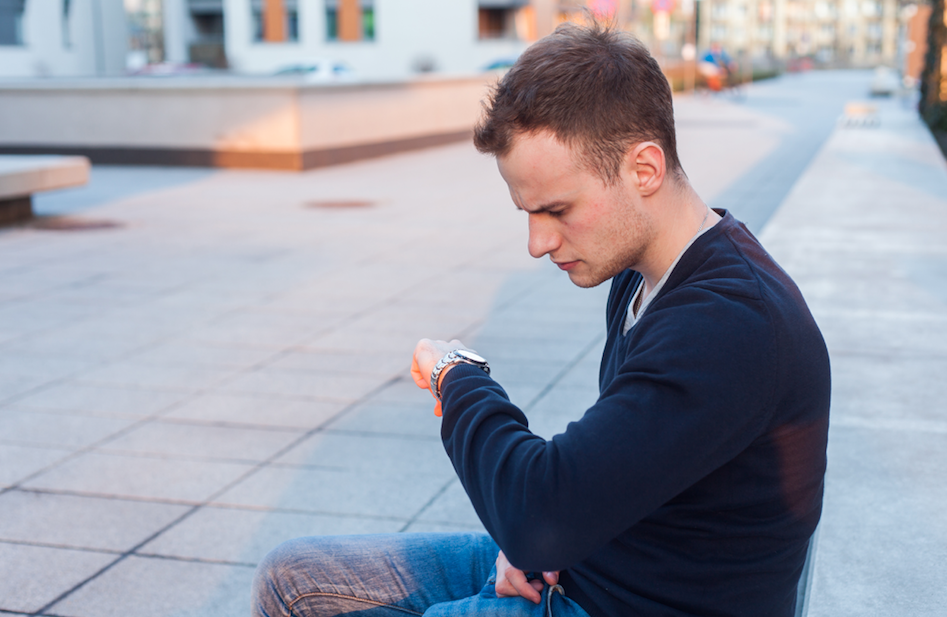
(694, 483)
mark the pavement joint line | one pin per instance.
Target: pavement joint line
(428, 504)
(217, 505)
(65, 547)
(565, 370)
(34, 444)
(311, 467)
(161, 456)
(225, 424)
(220, 505)
(215, 562)
(892, 354)
(373, 434)
(106, 496)
(353, 317)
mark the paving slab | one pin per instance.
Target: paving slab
(72, 396)
(379, 492)
(246, 536)
(170, 480)
(358, 451)
(341, 387)
(386, 418)
(33, 576)
(20, 462)
(259, 411)
(167, 439)
(65, 430)
(155, 587)
(450, 507)
(72, 521)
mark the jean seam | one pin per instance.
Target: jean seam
(345, 597)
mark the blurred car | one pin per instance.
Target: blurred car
(800, 65)
(500, 64)
(169, 69)
(318, 71)
(884, 82)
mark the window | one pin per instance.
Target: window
(11, 22)
(350, 20)
(497, 19)
(290, 31)
(206, 45)
(145, 33)
(66, 33)
(494, 23)
(871, 8)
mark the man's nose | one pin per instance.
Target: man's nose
(543, 239)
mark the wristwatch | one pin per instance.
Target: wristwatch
(456, 356)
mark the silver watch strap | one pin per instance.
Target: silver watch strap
(456, 356)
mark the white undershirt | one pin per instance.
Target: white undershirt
(631, 315)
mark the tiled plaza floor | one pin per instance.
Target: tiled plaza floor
(228, 366)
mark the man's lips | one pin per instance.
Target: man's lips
(566, 265)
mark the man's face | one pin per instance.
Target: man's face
(590, 230)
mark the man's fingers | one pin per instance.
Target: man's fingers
(551, 578)
(419, 378)
(421, 362)
(512, 582)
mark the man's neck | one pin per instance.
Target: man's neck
(682, 215)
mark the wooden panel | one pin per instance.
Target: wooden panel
(350, 20)
(274, 21)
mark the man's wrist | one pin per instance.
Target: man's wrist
(451, 359)
(438, 387)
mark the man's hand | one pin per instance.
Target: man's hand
(512, 582)
(426, 355)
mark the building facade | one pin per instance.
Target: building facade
(40, 38)
(395, 39)
(843, 33)
(377, 39)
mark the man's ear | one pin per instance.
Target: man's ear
(647, 168)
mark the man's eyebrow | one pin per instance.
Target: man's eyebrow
(545, 207)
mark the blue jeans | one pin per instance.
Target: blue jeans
(435, 575)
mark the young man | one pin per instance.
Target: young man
(694, 483)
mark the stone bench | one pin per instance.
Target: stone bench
(21, 176)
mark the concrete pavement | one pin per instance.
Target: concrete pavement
(863, 233)
(227, 367)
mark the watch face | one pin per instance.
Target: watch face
(473, 357)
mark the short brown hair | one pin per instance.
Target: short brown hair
(597, 89)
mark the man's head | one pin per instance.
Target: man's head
(597, 90)
(583, 131)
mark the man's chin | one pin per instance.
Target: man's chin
(585, 280)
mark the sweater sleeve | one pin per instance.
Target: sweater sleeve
(692, 390)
